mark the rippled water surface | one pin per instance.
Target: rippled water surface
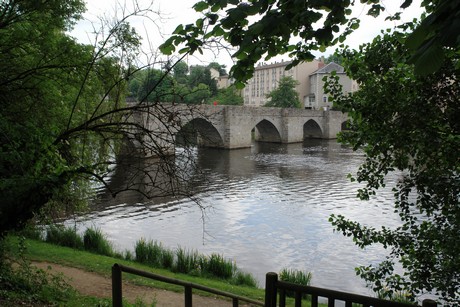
(267, 207)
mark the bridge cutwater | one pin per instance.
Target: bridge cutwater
(232, 127)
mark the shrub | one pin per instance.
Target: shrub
(95, 241)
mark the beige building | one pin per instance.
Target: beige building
(317, 99)
(223, 81)
(266, 78)
(308, 76)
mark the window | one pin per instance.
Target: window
(324, 98)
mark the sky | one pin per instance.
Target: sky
(156, 27)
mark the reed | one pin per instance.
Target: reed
(152, 253)
(244, 279)
(64, 236)
(95, 241)
(295, 276)
(216, 265)
(187, 262)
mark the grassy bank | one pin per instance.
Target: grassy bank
(41, 251)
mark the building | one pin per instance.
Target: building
(317, 99)
(308, 75)
(222, 81)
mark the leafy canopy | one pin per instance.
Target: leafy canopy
(406, 124)
(285, 95)
(260, 30)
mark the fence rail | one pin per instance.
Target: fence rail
(275, 288)
(117, 294)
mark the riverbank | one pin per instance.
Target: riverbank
(68, 260)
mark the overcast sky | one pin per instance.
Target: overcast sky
(174, 12)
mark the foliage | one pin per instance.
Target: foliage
(154, 86)
(316, 24)
(202, 75)
(407, 124)
(27, 285)
(63, 115)
(180, 72)
(228, 96)
(285, 95)
(219, 67)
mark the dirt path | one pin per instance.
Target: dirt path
(93, 284)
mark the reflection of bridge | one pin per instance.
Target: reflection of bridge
(234, 126)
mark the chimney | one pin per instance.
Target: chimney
(321, 64)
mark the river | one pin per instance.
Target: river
(265, 207)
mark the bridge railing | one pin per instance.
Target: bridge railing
(275, 289)
(117, 294)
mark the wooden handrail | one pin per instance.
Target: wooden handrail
(273, 286)
(117, 295)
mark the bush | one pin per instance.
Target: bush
(64, 236)
(95, 241)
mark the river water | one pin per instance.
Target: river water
(266, 207)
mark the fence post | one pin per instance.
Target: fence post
(188, 296)
(116, 286)
(270, 289)
(429, 303)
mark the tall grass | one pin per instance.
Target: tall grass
(187, 262)
(64, 236)
(154, 254)
(219, 267)
(295, 276)
(95, 241)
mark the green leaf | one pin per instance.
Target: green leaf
(429, 60)
(201, 6)
(178, 29)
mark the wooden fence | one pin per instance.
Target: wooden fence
(274, 289)
(117, 294)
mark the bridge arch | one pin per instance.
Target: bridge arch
(266, 131)
(199, 132)
(345, 125)
(311, 129)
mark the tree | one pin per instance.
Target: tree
(155, 86)
(317, 24)
(63, 116)
(219, 67)
(407, 123)
(415, 131)
(202, 74)
(180, 72)
(228, 96)
(285, 95)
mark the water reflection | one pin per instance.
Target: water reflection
(267, 207)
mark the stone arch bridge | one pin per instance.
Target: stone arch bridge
(233, 127)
